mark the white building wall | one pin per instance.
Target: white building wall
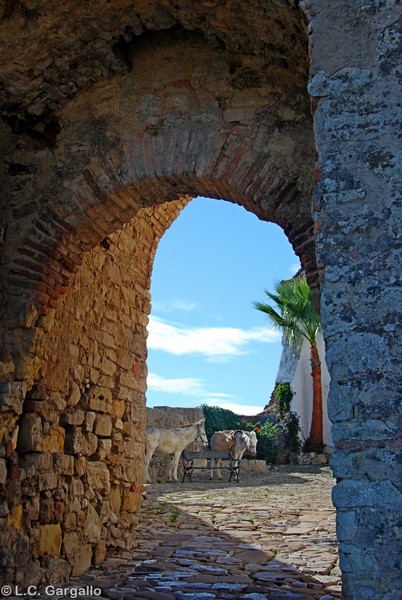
(295, 369)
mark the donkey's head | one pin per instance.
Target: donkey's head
(201, 438)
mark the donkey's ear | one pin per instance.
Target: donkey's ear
(202, 421)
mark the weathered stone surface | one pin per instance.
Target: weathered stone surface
(73, 441)
(99, 554)
(79, 555)
(3, 471)
(131, 501)
(48, 481)
(82, 560)
(70, 521)
(59, 509)
(30, 437)
(100, 400)
(32, 507)
(46, 510)
(14, 518)
(70, 546)
(76, 490)
(89, 421)
(89, 444)
(12, 395)
(103, 449)
(64, 464)
(54, 440)
(118, 408)
(41, 462)
(103, 425)
(80, 465)
(92, 527)
(73, 416)
(361, 342)
(75, 394)
(115, 499)
(50, 538)
(58, 567)
(98, 476)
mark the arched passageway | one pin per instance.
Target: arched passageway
(206, 342)
(125, 111)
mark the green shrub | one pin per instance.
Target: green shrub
(272, 436)
(292, 428)
(217, 419)
(268, 447)
(246, 425)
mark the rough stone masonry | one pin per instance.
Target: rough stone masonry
(114, 114)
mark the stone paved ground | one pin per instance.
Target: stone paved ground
(270, 536)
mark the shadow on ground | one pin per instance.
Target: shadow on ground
(271, 535)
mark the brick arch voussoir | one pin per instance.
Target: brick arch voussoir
(159, 167)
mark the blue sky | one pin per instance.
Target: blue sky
(207, 344)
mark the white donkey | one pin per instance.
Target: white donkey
(173, 441)
(237, 442)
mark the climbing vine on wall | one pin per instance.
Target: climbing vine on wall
(283, 397)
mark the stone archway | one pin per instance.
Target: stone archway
(216, 124)
(129, 106)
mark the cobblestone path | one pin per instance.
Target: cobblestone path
(270, 536)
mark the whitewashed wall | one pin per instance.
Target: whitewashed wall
(295, 368)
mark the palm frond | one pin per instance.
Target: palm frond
(293, 310)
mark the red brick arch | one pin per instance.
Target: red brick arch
(202, 128)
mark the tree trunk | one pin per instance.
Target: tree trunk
(316, 430)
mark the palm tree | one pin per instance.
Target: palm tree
(295, 316)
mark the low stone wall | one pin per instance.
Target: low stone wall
(166, 417)
(312, 458)
(256, 466)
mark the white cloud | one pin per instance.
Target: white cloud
(239, 409)
(188, 385)
(174, 305)
(216, 343)
(193, 387)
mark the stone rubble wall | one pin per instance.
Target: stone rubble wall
(256, 466)
(75, 446)
(312, 458)
(356, 56)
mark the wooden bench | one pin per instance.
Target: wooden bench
(188, 459)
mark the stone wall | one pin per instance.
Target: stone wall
(108, 108)
(74, 457)
(355, 60)
(125, 121)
